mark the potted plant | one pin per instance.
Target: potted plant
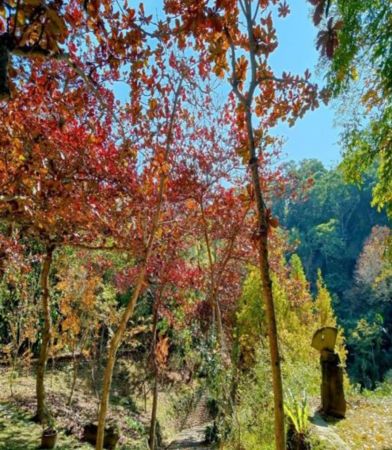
(297, 412)
(49, 434)
(111, 436)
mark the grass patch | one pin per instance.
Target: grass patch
(17, 432)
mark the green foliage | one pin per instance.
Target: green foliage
(212, 435)
(183, 402)
(367, 354)
(383, 389)
(250, 324)
(219, 383)
(323, 304)
(328, 220)
(365, 36)
(297, 269)
(368, 147)
(135, 425)
(297, 411)
(298, 316)
(252, 425)
(361, 69)
(368, 312)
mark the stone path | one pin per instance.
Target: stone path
(192, 435)
(326, 433)
(192, 438)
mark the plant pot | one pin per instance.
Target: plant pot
(49, 438)
(111, 435)
(297, 441)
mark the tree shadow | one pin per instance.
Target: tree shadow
(324, 420)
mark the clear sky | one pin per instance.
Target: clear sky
(315, 135)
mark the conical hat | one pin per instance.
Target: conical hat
(325, 339)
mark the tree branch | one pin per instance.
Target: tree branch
(234, 81)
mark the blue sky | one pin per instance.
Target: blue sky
(315, 135)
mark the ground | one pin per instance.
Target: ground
(368, 425)
(17, 404)
(16, 410)
(17, 432)
(192, 438)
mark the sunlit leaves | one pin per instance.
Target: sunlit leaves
(162, 351)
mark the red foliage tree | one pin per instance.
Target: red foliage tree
(58, 174)
(235, 38)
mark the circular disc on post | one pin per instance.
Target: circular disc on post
(325, 339)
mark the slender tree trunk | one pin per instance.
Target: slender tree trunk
(100, 348)
(46, 332)
(153, 426)
(267, 289)
(215, 278)
(112, 353)
(74, 377)
(219, 325)
(119, 333)
(262, 233)
(75, 364)
(213, 304)
(4, 59)
(216, 316)
(153, 423)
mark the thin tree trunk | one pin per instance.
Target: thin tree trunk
(112, 353)
(46, 331)
(267, 291)
(213, 304)
(153, 423)
(262, 233)
(153, 426)
(74, 377)
(75, 365)
(217, 277)
(216, 316)
(145, 396)
(119, 333)
(100, 348)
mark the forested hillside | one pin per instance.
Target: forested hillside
(334, 228)
(330, 220)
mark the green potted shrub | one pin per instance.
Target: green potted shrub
(297, 412)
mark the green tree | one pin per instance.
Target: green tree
(367, 352)
(323, 304)
(326, 317)
(328, 221)
(298, 316)
(250, 321)
(359, 34)
(368, 311)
